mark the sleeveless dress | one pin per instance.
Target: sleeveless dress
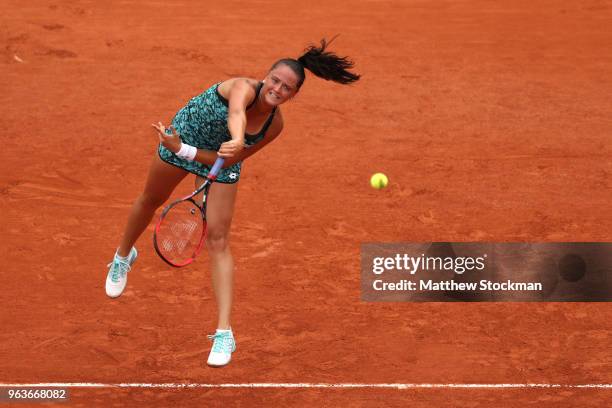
(202, 123)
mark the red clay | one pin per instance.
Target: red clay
(492, 122)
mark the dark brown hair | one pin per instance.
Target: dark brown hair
(324, 64)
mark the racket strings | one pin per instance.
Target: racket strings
(180, 232)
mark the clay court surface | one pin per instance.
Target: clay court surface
(491, 119)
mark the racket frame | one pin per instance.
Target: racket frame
(212, 176)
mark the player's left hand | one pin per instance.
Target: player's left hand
(168, 137)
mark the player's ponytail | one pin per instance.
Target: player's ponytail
(324, 64)
(328, 65)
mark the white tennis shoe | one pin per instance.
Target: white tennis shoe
(223, 346)
(117, 273)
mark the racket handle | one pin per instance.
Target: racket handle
(216, 167)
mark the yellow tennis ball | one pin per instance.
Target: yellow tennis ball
(379, 181)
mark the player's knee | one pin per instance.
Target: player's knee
(217, 240)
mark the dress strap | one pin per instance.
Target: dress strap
(268, 122)
(256, 96)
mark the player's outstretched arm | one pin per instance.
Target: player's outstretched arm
(241, 94)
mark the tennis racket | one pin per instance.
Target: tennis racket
(181, 229)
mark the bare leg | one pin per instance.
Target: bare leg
(219, 212)
(162, 180)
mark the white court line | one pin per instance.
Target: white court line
(399, 386)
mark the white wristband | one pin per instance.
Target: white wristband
(187, 152)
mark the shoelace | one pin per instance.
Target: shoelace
(120, 268)
(222, 342)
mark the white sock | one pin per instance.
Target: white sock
(224, 330)
(121, 258)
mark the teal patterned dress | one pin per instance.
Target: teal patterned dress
(203, 123)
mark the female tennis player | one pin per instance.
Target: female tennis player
(233, 119)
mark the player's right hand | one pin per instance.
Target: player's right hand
(230, 148)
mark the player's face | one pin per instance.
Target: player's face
(280, 85)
